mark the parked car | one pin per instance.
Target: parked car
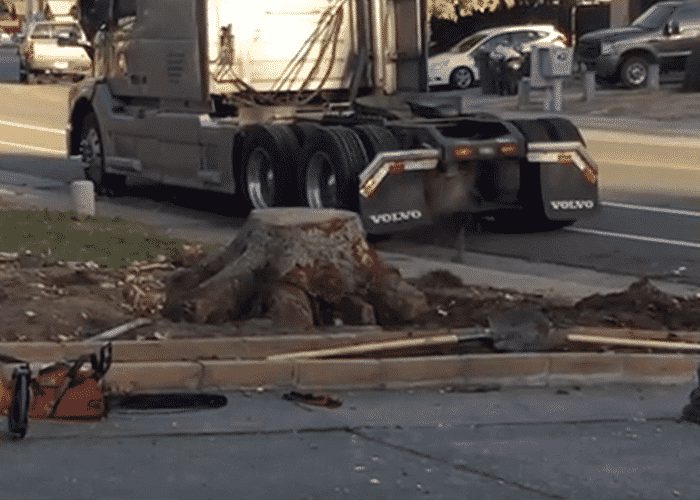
(457, 66)
(665, 34)
(42, 52)
(5, 37)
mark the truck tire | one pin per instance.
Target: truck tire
(269, 153)
(304, 130)
(634, 72)
(533, 217)
(332, 159)
(93, 156)
(376, 139)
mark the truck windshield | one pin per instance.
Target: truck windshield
(468, 43)
(654, 17)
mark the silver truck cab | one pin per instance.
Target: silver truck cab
(43, 53)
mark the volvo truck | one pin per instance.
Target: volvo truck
(318, 103)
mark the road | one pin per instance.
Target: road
(650, 187)
(539, 443)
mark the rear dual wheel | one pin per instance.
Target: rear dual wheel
(317, 166)
(332, 160)
(269, 155)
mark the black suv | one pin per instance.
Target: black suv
(666, 33)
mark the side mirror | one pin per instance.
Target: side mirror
(672, 28)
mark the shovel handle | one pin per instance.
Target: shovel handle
(367, 348)
(649, 344)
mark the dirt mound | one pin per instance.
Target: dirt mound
(642, 305)
(61, 302)
(439, 279)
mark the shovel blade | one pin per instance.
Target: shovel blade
(520, 330)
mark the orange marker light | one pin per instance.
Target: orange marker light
(463, 152)
(590, 174)
(397, 167)
(565, 158)
(509, 149)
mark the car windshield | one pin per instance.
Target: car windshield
(654, 17)
(468, 43)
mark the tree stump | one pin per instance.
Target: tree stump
(300, 267)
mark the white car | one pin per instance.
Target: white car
(457, 66)
(5, 37)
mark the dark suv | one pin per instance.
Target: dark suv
(666, 33)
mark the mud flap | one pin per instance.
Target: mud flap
(568, 180)
(392, 190)
(397, 204)
(566, 194)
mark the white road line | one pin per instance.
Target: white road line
(646, 208)
(33, 127)
(57, 152)
(647, 239)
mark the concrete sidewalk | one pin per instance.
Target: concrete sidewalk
(666, 112)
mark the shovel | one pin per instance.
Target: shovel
(516, 330)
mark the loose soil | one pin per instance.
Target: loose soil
(63, 279)
(46, 301)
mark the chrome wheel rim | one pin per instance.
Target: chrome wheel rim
(260, 178)
(462, 78)
(321, 182)
(636, 73)
(91, 152)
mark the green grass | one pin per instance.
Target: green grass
(58, 236)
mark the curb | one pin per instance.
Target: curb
(240, 364)
(503, 370)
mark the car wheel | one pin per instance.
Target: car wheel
(635, 72)
(461, 78)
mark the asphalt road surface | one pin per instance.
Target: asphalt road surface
(650, 187)
(603, 443)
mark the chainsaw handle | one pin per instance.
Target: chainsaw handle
(105, 361)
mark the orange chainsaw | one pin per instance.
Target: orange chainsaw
(63, 390)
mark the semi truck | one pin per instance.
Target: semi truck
(317, 103)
